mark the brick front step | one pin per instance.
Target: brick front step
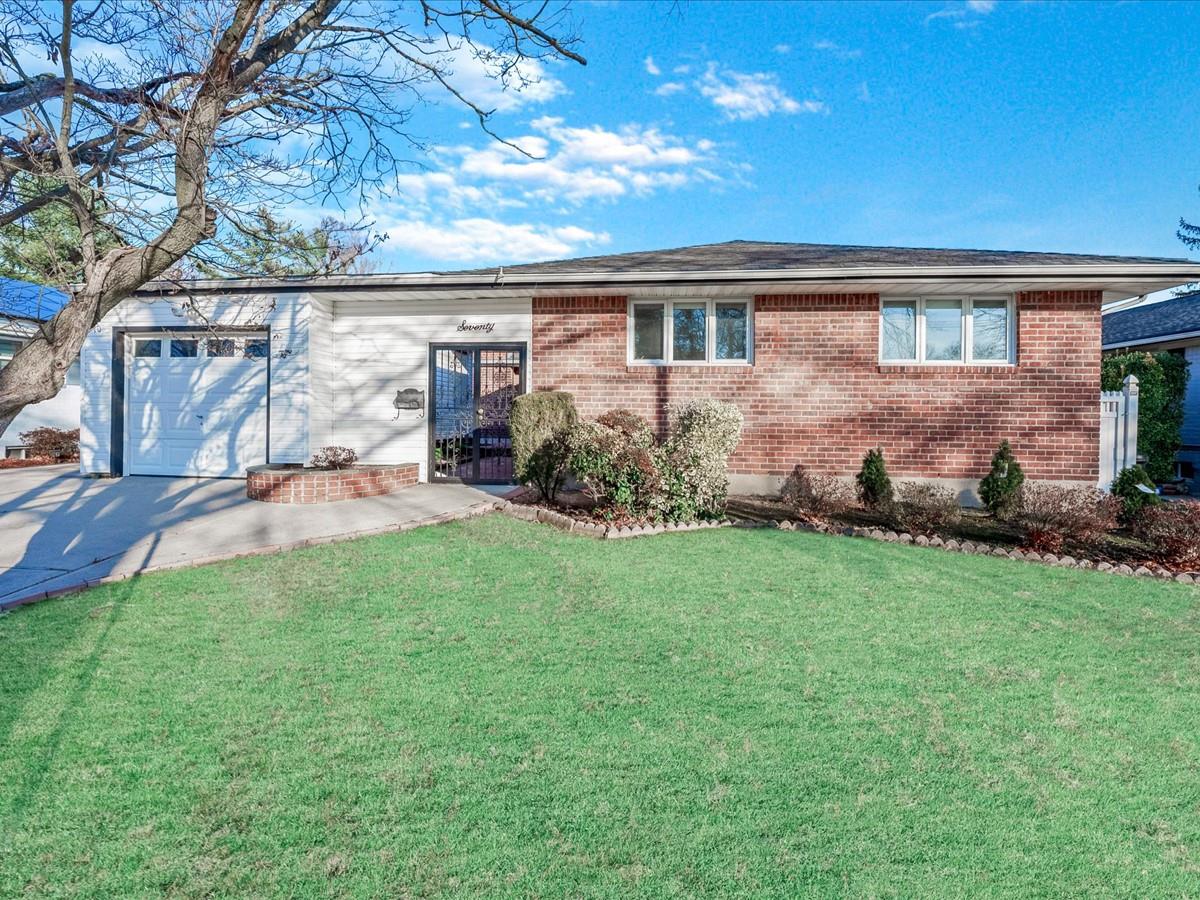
(286, 484)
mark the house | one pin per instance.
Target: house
(936, 355)
(1172, 325)
(23, 307)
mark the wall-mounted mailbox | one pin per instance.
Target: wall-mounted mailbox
(409, 398)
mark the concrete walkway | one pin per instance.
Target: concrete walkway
(59, 530)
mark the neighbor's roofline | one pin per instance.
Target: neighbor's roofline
(1184, 271)
(1153, 339)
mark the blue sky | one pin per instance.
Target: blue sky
(1034, 126)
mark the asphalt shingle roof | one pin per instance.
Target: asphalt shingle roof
(765, 255)
(1179, 315)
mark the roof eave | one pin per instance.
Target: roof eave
(1099, 275)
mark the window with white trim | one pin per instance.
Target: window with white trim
(690, 332)
(948, 331)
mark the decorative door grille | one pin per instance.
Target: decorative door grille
(472, 388)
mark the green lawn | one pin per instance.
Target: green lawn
(494, 708)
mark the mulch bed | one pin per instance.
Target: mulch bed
(1118, 548)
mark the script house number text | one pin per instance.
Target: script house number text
(484, 327)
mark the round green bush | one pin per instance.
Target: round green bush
(1125, 487)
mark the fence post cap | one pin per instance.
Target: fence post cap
(1131, 384)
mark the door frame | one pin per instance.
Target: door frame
(431, 428)
(118, 437)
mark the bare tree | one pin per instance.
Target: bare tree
(164, 122)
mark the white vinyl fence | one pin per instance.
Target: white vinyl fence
(1118, 430)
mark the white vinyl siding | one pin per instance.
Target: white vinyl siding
(948, 331)
(382, 346)
(322, 365)
(287, 315)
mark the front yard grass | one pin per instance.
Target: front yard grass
(494, 708)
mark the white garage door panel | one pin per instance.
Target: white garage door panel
(196, 415)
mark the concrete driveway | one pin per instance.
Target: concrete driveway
(59, 530)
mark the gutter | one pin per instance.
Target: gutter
(1181, 272)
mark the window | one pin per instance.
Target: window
(731, 331)
(690, 332)
(220, 347)
(8, 349)
(184, 349)
(256, 348)
(945, 330)
(648, 331)
(151, 347)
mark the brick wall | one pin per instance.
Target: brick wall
(275, 485)
(817, 395)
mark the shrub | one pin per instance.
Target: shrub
(1173, 531)
(619, 466)
(1125, 487)
(1162, 382)
(923, 508)
(1052, 515)
(541, 425)
(874, 486)
(51, 443)
(814, 494)
(704, 433)
(1000, 488)
(333, 458)
(629, 424)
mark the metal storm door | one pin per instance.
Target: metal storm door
(473, 387)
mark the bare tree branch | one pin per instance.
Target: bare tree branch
(166, 131)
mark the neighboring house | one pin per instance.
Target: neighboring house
(935, 355)
(23, 307)
(1172, 325)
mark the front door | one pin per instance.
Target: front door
(473, 387)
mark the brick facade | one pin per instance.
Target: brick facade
(273, 484)
(817, 394)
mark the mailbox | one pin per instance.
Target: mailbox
(409, 398)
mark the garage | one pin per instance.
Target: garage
(196, 403)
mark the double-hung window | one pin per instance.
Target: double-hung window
(691, 332)
(948, 330)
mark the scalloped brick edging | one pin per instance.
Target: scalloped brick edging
(603, 532)
(982, 549)
(283, 484)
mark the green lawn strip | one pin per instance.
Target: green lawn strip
(495, 708)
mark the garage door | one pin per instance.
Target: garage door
(196, 405)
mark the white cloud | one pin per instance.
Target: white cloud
(744, 96)
(864, 93)
(651, 67)
(682, 70)
(492, 81)
(837, 50)
(667, 88)
(578, 164)
(965, 15)
(782, 49)
(476, 204)
(478, 240)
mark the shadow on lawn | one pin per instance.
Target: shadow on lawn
(39, 762)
